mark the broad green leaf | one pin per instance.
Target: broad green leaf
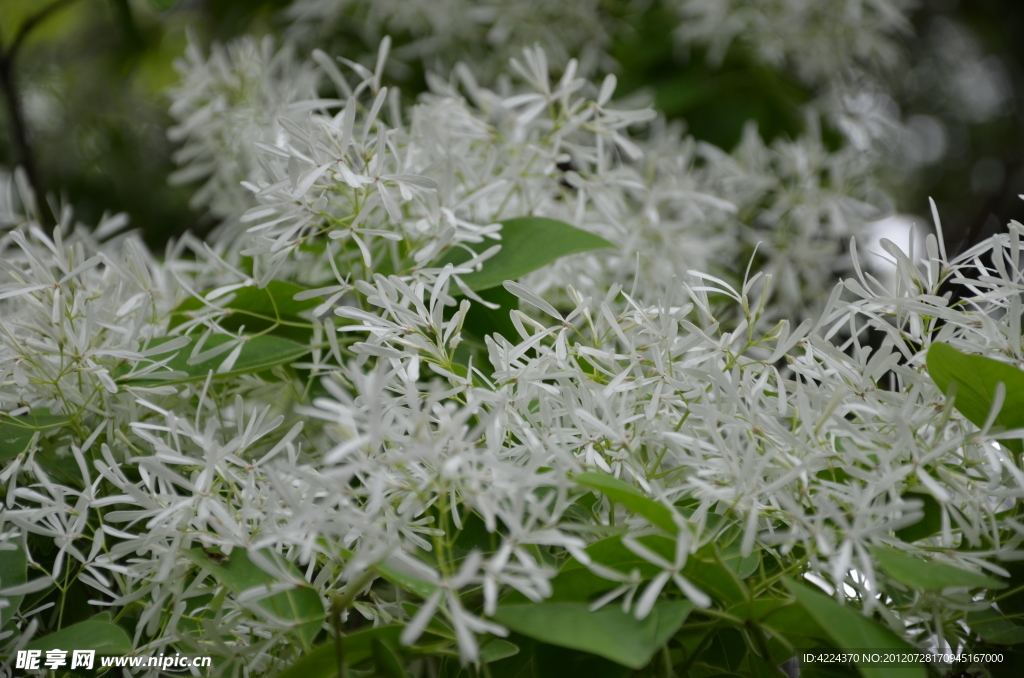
(756, 667)
(1012, 602)
(300, 605)
(930, 523)
(708, 572)
(13, 572)
(421, 588)
(994, 627)
(757, 609)
(705, 569)
(608, 632)
(610, 552)
(929, 575)
(385, 661)
(575, 583)
(482, 321)
(541, 660)
(97, 634)
(726, 650)
(527, 243)
(976, 378)
(16, 432)
(258, 309)
(258, 355)
(497, 649)
(743, 566)
(634, 500)
(792, 620)
(322, 661)
(850, 630)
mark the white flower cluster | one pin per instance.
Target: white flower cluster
(225, 103)
(439, 34)
(360, 169)
(841, 49)
(818, 40)
(384, 451)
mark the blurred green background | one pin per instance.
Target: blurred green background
(90, 78)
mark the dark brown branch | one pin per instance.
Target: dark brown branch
(12, 97)
(30, 24)
(19, 132)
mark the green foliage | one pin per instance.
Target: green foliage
(994, 627)
(527, 243)
(975, 379)
(608, 632)
(385, 660)
(421, 588)
(931, 519)
(13, 572)
(625, 494)
(271, 309)
(716, 100)
(258, 354)
(16, 433)
(299, 605)
(98, 634)
(928, 575)
(497, 649)
(358, 647)
(482, 321)
(852, 631)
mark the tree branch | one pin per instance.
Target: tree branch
(12, 96)
(30, 25)
(19, 133)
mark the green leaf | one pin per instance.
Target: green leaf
(705, 569)
(757, 609)
(726, 651)
(258, 355)
(481, 321)
(13, 572)
(608, 632)
(258, 309)
(610, 552)
(631, 498)
(850, 630)
(793, 621)
(421, 588)
(300, 605)
(16, 432)
(385, 660)
(497, 649)
(743, 566)
(708, 572)
(759, 668)
(541, 660)
(976, 378)
(930, 523)
(527, 243)
(928, 575)
(994, 627)
(93, 634)
(1012, 602)
(322, 661)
